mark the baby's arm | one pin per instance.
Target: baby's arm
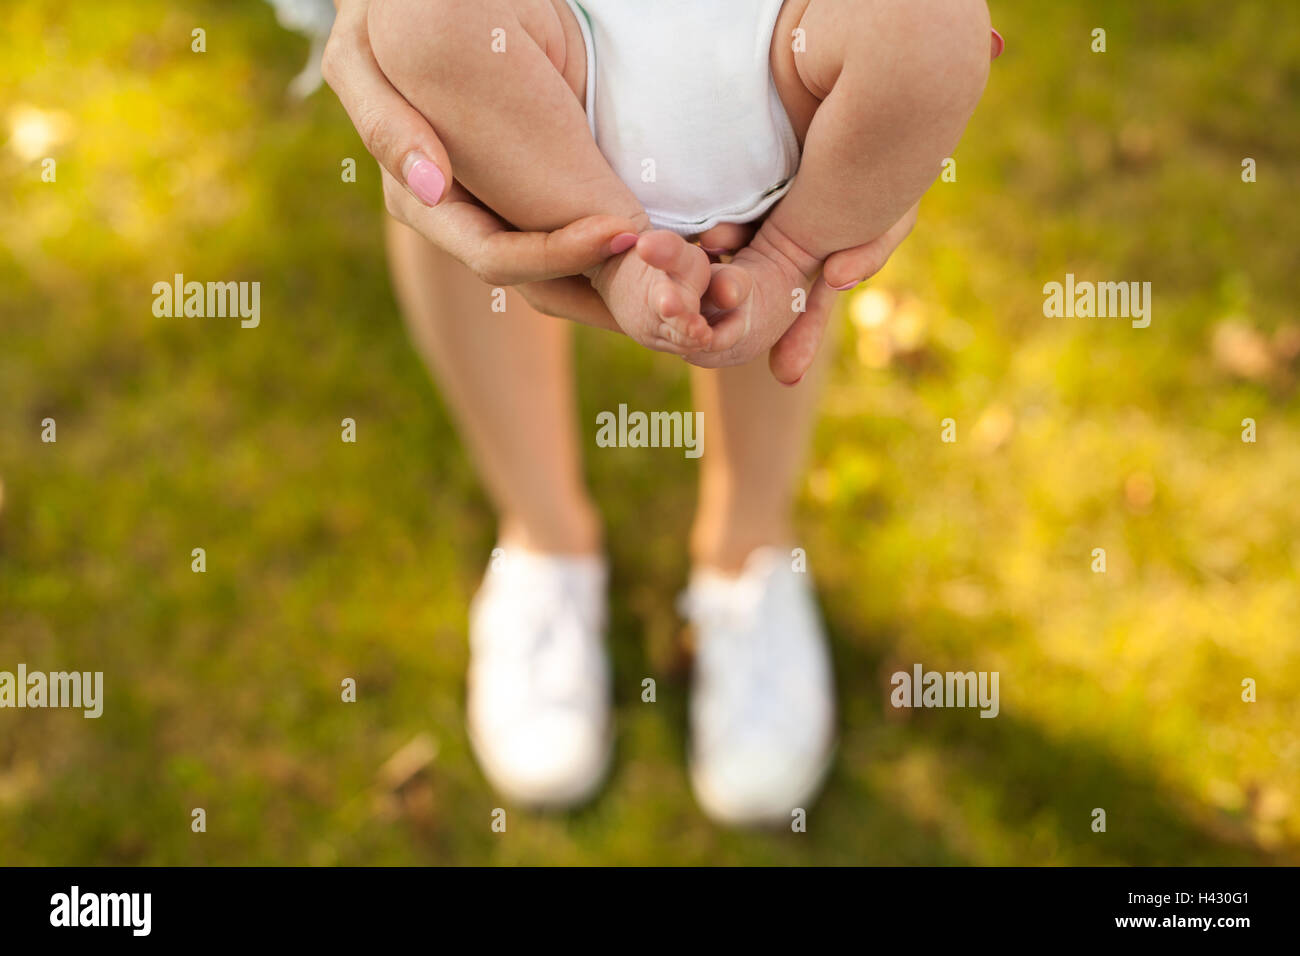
(501, 81)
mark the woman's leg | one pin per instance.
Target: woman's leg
(758, 433)
(508, 377)
(538, 701)
(762, 711)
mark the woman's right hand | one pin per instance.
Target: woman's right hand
(419, 189)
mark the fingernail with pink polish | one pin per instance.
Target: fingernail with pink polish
(424, 179)
(795, 382)
(622, 242)
(846, 287)
(999, 44)
(716, 252)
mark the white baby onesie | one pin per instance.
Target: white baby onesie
(681, 100)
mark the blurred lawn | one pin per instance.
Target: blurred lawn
(327, 560)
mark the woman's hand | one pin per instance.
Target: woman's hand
(392, 129)
(419, 189)
(794, 352)
(545, 266)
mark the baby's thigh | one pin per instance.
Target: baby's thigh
(554, 27)
(411, 33)
(800, 105)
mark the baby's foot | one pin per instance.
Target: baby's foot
(654, 290)
(755, 298)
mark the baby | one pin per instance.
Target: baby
(829, 117)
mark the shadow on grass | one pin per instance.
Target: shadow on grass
(943, 786)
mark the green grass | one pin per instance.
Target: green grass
(327, 560)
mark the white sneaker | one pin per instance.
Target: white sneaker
(762, 706)
(539, 681)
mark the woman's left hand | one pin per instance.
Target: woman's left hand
(794, 352)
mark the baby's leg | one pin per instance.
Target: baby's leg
(503, 82)
(897, 80)
(879, 92)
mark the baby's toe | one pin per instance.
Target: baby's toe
(729, 288)
(680, 311)
(672, 254)
(690, 333)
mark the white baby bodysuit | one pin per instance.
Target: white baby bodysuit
(681, 100)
